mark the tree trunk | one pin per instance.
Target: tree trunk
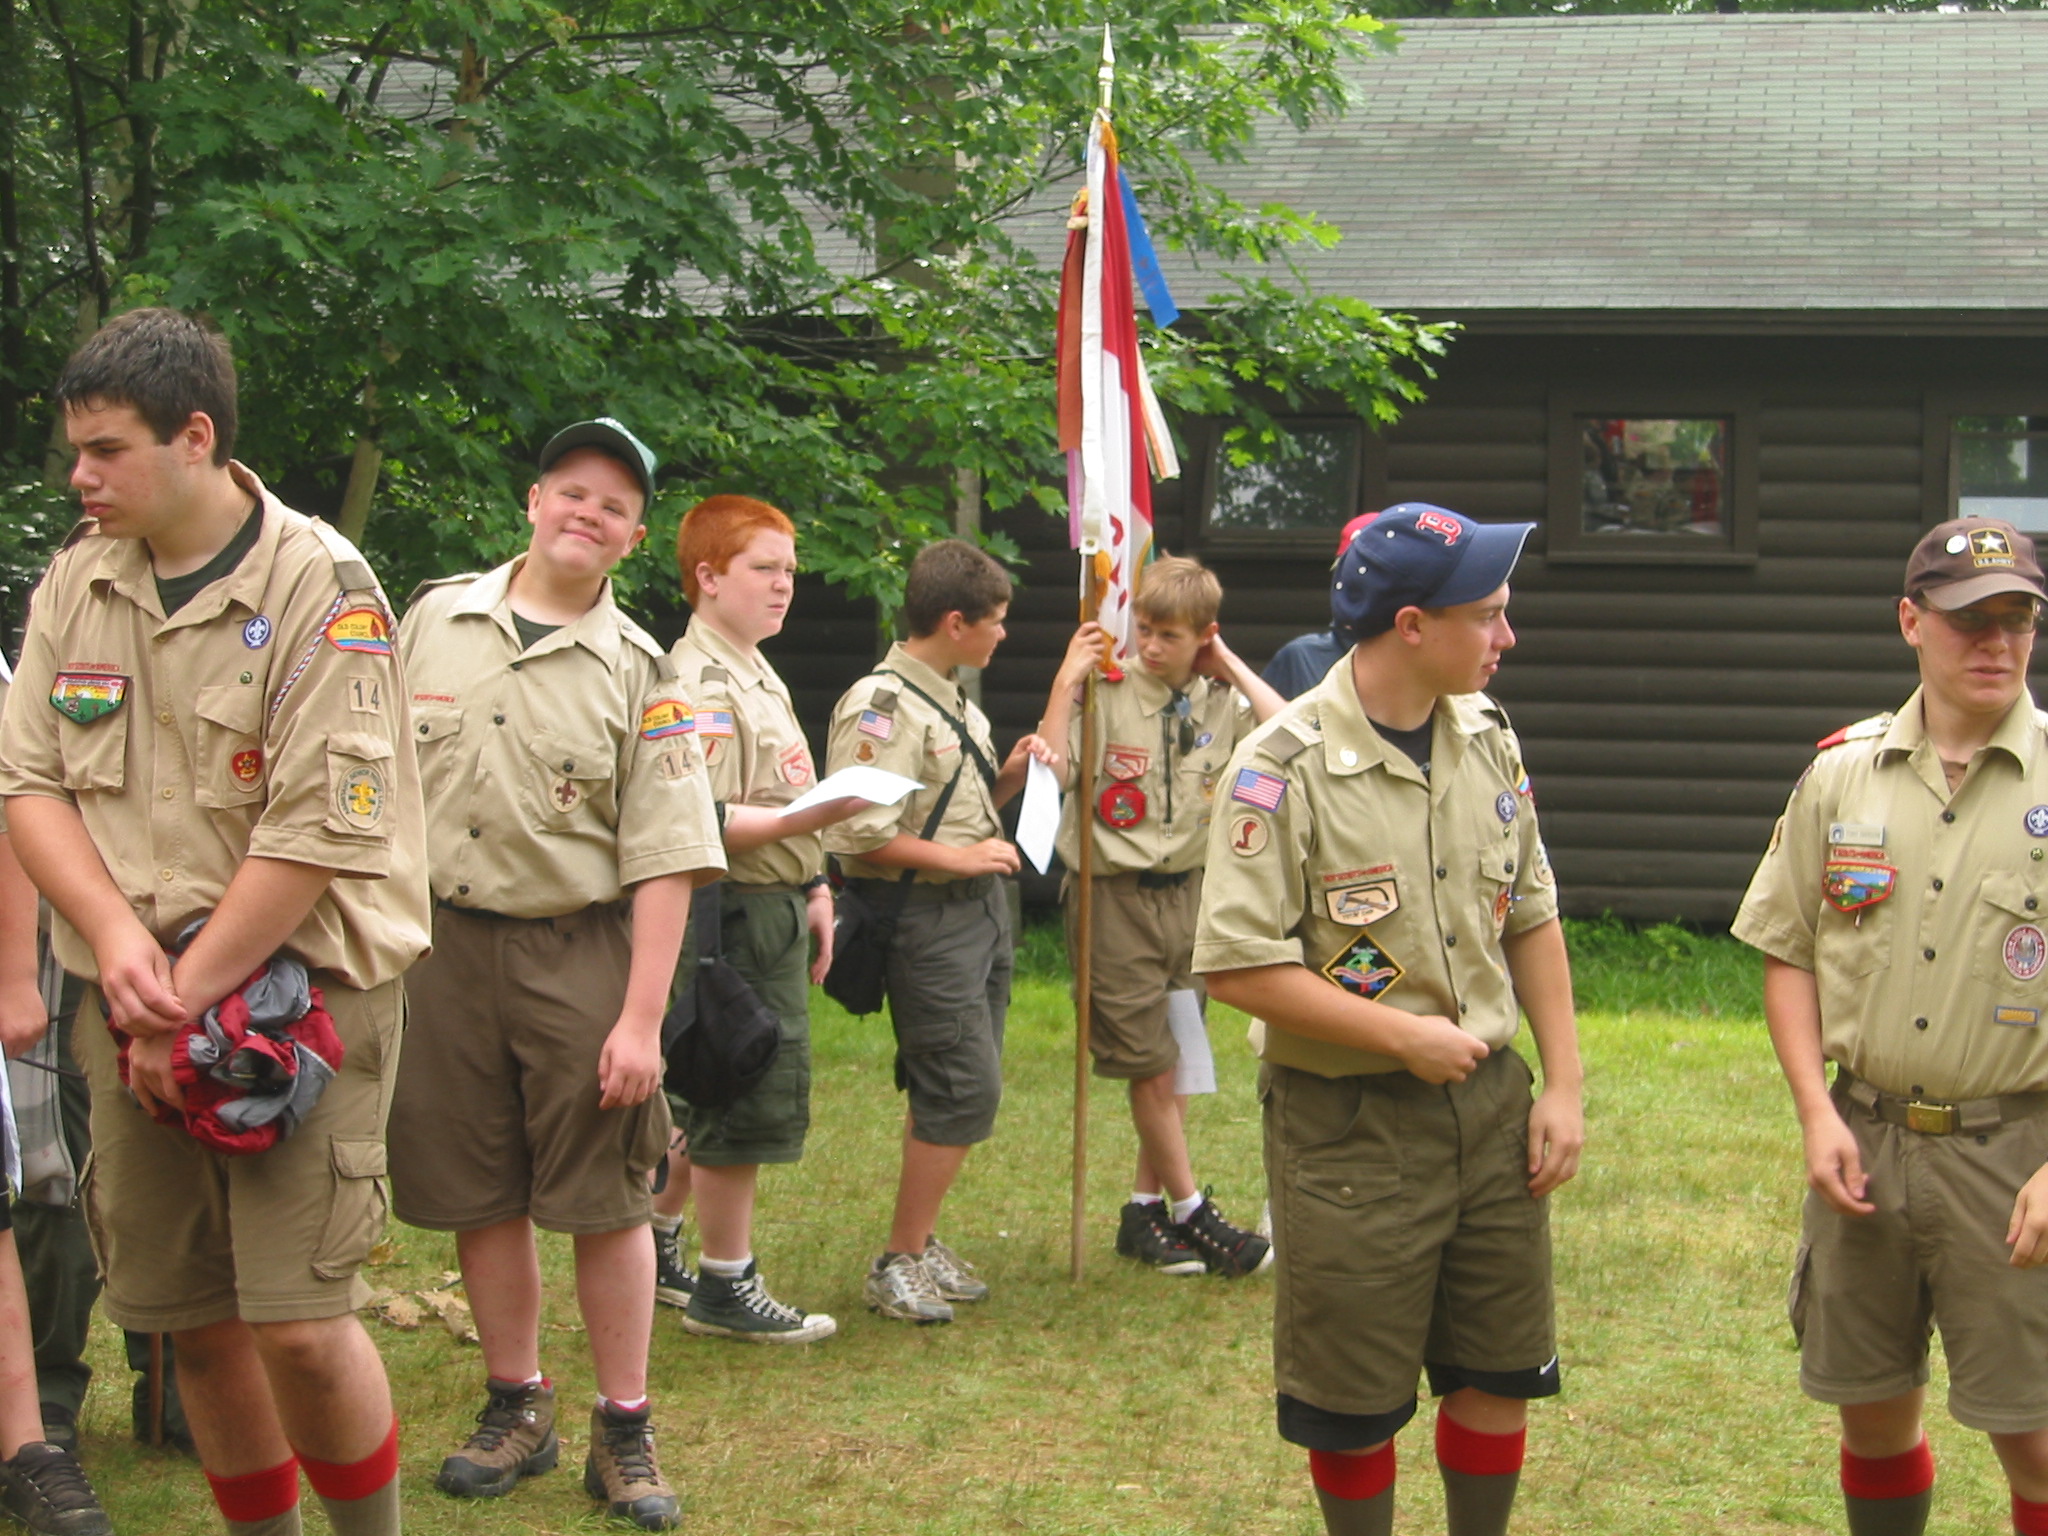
(363, 470)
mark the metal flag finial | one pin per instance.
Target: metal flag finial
(1106, 75)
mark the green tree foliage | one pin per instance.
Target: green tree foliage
(781, 240)
(1426, 8)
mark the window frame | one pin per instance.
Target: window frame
(1566, 540)
(1944, 466)
(1279, 541)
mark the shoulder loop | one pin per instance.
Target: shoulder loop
(884, 701)
(714, 673)
(635, 636)
(1283, 746)
(1492, 709)
(1862, 730)
(350, 568)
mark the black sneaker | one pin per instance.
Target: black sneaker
(1224, 1248)
(743, 1309)
(1144, 1233)
(44, 1488)
(60, 1426)
(674, 1284)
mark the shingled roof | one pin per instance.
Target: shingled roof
(1818, 163)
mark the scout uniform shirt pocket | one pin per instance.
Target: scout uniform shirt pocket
(93, 736)
(229, 771)
(562, 774)
(1497, 884)
(2009, 950)
(1853, 937)
(435, 729)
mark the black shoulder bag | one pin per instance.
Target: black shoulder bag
(718, 1038)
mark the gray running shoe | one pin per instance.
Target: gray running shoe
(743, 1309)
(953, 1275)
(620, 1471)
(514, 1438)
(44, 1488)
(674, 1283)
(902, 1288)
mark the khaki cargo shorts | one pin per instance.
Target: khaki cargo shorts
(1406, 1236)
(496, 1115)
(187, 1236)
(1867, 1289)
(1144, 941)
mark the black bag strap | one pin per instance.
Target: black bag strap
(967, 742)
(707, 923)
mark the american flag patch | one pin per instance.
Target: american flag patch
(1265, 790)
(714, 722)
(876, 725)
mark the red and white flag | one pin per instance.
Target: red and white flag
(1110, 422)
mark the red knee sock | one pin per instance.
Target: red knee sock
(252, 1497)
(1475, 1454)
(1353, 1477)
(346, 1482)
(2029, 1519)
(1904, 1476)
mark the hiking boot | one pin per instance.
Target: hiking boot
(674, 1284)
(902, 1288)
(953, 1275)
(1224, 1248)
(1144, 1233)
(620, 1470)
(743, 1309)
(514, 1438)
(60, 1427)
(44, 1487)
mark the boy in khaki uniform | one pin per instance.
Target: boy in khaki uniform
(208, 722)
(562, 773)
(1377, 893)
(949, 970)
(1900, 911)
(1165, 729)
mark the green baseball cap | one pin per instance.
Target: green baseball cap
(607, 436)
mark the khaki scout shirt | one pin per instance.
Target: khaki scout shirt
(266, 718)
(1151, 803)
(1922, 915)
(881, 723)
(556, 776)
(746, 726)
(1329, 849)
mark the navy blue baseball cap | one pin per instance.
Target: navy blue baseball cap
(607, 435)
(1414, 555)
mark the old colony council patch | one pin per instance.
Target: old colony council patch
(666, 717)
(363, 631)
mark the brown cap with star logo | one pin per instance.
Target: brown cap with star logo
(1966, 560)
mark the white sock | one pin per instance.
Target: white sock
(1183, 1209)
(668, 1226)
(1141, 1197)
(610, 1405)
(725, 1269)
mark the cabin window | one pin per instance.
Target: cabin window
(1650, 484)
(2000, 469)
(1308, 489)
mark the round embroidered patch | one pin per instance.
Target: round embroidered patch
(360, 797)
(2037, 821)
(1248, 835)
(256, 633)
(566, 794)
(2026, 952)
(246, 766)
(1121, 805)
(1504, 806)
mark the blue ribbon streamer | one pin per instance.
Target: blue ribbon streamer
(1144, 260)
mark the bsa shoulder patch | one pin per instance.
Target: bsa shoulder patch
(1122, 805)
(361, 631)
(1853, 883)
(666, 717)
(1264, 790)
(84, 697)
(794, 764)
(1363, 967)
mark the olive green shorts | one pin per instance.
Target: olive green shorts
(496, 1112)
(767, 942)
(1406, 1237)
(187, 1236)
(1867, 1289)
(949, 993)
(1144, 939)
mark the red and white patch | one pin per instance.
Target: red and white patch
(1445, 528)
(247, 766)
(795, 766)
(1248, 835)
(1125, 763)
(2026, 952)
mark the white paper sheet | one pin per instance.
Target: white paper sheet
(877, 786)
(1038, 819)
(1197, 1070)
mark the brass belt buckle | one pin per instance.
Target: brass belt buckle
(1930, 1119)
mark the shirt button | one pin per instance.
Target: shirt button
(568, 765)
(1450, 941)
(167, 874)
(1925, 954)
(1463, 1008)
(1344, 1190)
(1937, 882)
(1919, 1023)
(424, 728)
(163, 717)
(462, 890)
(479, 832)
(1441, 871)
(1509, 866)
(497, 719)
(1948, 815)
(516, 666)
(2032, 904)
(170, 794)
(1918, 1090)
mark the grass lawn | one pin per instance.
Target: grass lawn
(1138, 1404)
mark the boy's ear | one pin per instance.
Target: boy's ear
(1210, 631)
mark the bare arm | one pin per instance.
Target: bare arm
(1217, 660)
(748, 827)
(992, 856)
(23, 1017)
(1084, 652)
(1542, 973)
(1289, 997)
(1834, 1168)
(629, 1068)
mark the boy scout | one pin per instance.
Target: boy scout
(1378, 894)
(1900, 912)
(949, 972)
(737, 557)
(208, 722)
(561, 773)
(1163, 738)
